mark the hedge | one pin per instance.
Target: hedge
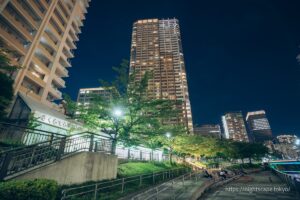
(39, 189)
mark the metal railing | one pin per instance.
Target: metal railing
(291, 180)
(25, 135)
(105, 189)
(172, 188)
(18, 160)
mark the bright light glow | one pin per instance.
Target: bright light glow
(168, 135)
(117, 112)
(297, 142)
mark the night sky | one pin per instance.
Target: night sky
(239, 54)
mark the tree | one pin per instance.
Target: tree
(6, 81)
(128, 116)
(244, 150)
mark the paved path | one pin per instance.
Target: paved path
(259, 186)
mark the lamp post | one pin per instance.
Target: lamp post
(169, 135)
(117, 113)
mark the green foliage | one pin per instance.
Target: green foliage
(38, 189)
(33, 121)
(248, 150)
(137, 168)
(141, 117)
(6, 82)
(245, 166)
(6, 93)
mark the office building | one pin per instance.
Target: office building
(41, 35)
(258, 125)
(234, 127)
(156, 47)
(86, 95)
(210, 130)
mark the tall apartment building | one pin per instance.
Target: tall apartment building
(42, 35)
(156, 46)
(258, 125)
(234, 127)
(213, 130)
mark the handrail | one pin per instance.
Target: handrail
(289, 179)
(15, 161)
(95, 188)
(33, 129)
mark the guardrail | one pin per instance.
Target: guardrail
(25, 135)
(168, 187)
(106, 188)
(291, 180)
(18, 160)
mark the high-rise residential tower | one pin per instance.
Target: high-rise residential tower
(258, 126)
(41, 35)
(234, 127)
(156, 46)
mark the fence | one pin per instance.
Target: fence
(20, 159)
(105, 189)
(290, 179)
(25, 135)
(168, 187)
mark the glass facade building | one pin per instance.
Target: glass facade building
(156, 47)
(258, 125)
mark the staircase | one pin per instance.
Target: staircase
(43, 148)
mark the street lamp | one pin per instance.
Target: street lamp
(168, 134)
(117, 112)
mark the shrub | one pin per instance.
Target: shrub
(39, 189)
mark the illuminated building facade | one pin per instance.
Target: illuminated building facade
(258, 125)
(234, 127)
(211, 130)
(156, 47)
(42, 36)
(86, 95)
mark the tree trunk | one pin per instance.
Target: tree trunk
(250, 160)
(113, 146)
(170, 157)
(151, 156)
(243, 161)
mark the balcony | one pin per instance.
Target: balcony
(27, 92)
(54, 31)
(36, 8)
(45, 52)
(39, 64)
(25, 14)
(13, 40)
(17, 24)
(46, 6)
(59, 81)
(50, 41)
(62, 70)
(55, 92)
(58, 22)
(65, 60)
(60, 11)
(31, 75)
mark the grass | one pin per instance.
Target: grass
(137, 168)
(127, 170)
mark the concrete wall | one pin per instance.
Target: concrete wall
(79, 168)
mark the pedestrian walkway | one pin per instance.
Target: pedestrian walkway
(182, 187)
(259, 186)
